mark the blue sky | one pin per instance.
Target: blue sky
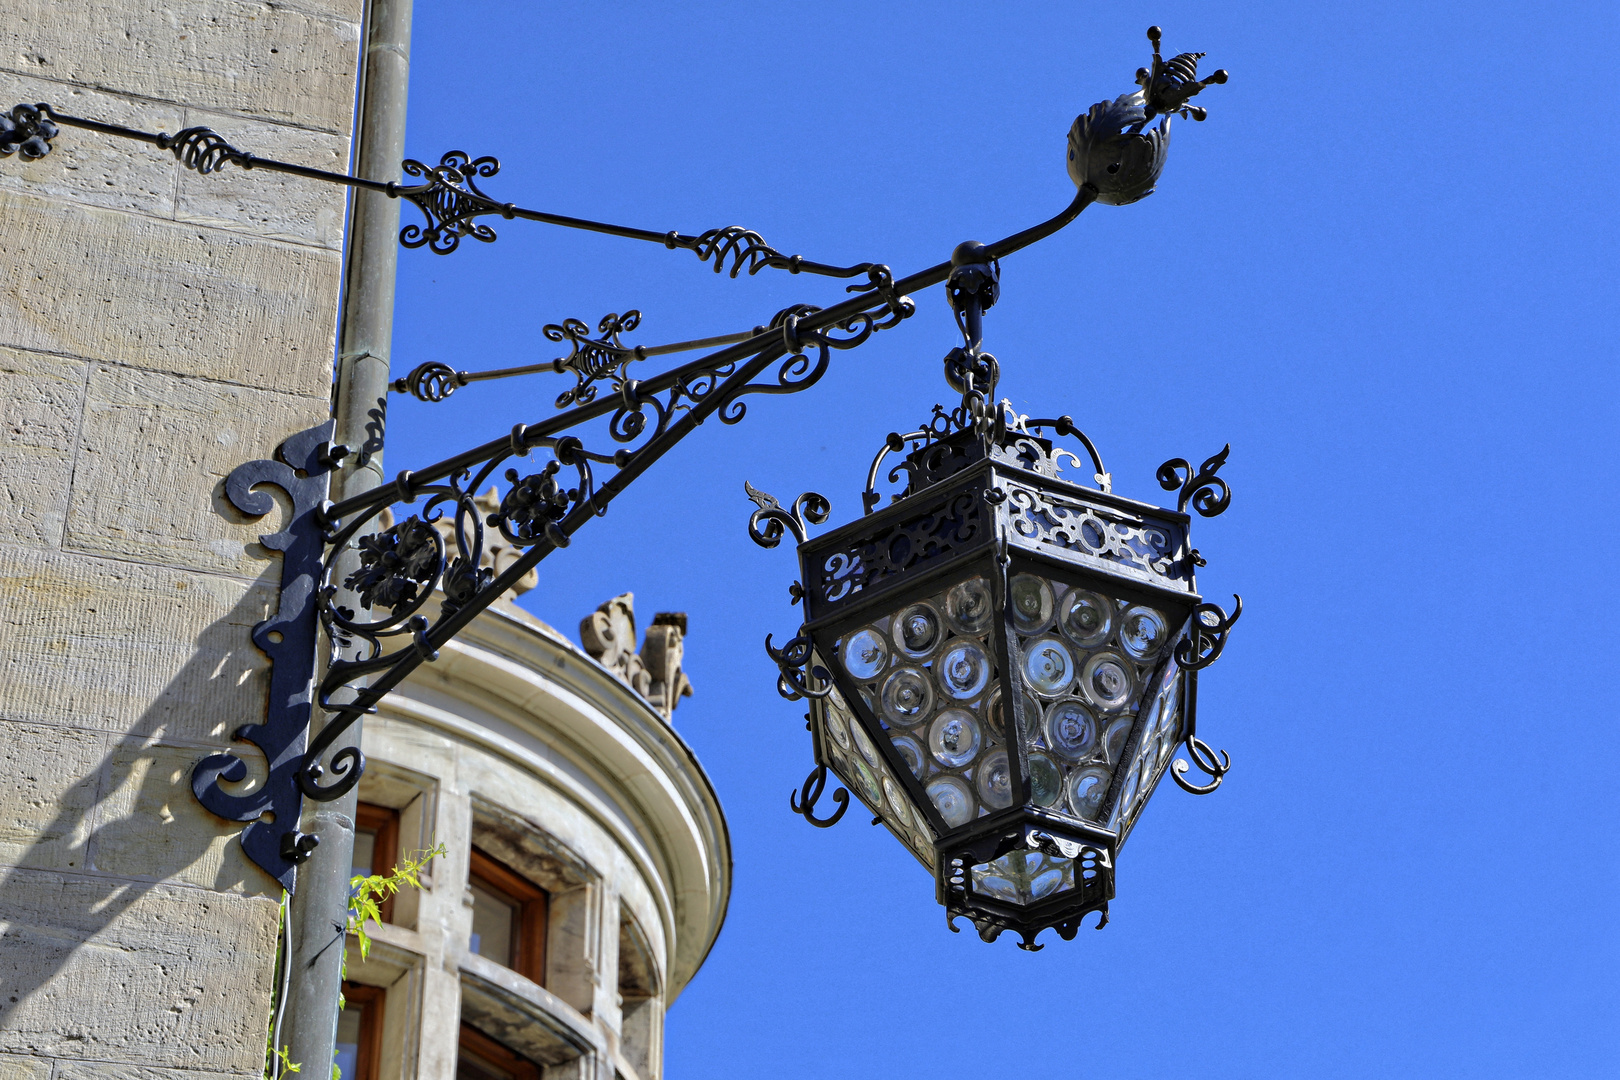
(1383, 270)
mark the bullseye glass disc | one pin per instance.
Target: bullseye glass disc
(908, 696)
(1086, 618)
(1045, 780)
(1071, 730)
(917, 630)
(1031, 603)
(1048, 665)
(995, 781)
(1107, 680)
(953, 738)
(865, 654)
(953, 800)
(968, 607)
(1142, 632)
(962, 670)
(1086, 790)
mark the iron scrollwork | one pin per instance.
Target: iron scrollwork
(803, 802)
(1210, 625)
(401, 567)
(1215, 763)
(450, 201)
(1207, 492)
(766, 525)
(593, 359)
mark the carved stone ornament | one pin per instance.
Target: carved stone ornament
(608, 635)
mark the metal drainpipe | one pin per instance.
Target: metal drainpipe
(319, 907)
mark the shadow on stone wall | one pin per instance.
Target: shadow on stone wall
(133, 926)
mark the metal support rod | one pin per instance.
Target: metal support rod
(761, 338)
(319, 910)
(449, 196)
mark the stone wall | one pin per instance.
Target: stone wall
(156, 329)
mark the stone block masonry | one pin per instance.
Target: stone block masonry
(157, 328)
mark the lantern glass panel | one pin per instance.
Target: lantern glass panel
(1023, 877)
(1102, 696)
(845, 746)
(933, 696)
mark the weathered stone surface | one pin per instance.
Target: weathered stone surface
(91, 169)
(109, 1070)
(40, 401)
(153, 460)
(166, 296)
(268, 203)
(139, 650)
(17, 1067)
(48, 781)
(134, 972)
(293, 64)
(149, 825)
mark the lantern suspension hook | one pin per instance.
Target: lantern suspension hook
(972, 288)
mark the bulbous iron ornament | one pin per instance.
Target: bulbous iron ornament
(976, 480)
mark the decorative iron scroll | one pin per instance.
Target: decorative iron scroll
(450, 200)
(1151, 551)
(272, 839)
(941, 448)
(1215, 763)
(1210, 625)
(808, 509)
(800, 677)
(945, 527)
(803, 802)
(1207, 492)
(438, 551)
(593, 359)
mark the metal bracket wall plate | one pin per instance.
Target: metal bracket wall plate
(288, 638)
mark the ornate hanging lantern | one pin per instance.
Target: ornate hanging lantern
(1002, 662)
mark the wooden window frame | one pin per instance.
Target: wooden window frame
(533, 904)
(372, 1000)
(497, 1054)
(385, 855)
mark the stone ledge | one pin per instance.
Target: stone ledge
(517, 1013)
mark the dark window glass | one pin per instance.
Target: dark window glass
(376, 846)
(509, 917)
(359, 1032)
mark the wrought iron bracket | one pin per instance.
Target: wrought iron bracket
(302, 469)
(438, 553)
